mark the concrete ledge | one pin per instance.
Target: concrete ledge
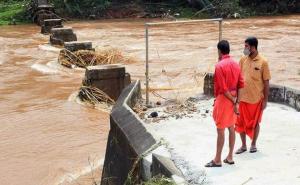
(63, 31)
(76, 45)
(278, 94)
(292, 98)
(111, 79)
(42, 2)
(41, 17)
(46, 7)
(130, 145)
(61, 35)
(164, 166)
(128, 140)
(48, 24)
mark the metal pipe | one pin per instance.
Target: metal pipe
(220, 29)
(178, 22)
(147, 64)
(147, 25)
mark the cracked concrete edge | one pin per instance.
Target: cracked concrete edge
(161, 151)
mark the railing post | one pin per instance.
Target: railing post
(148, 25)
(147, 64)
(220, 29)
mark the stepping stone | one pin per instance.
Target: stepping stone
(49, 24)
(41, 17)
(46, 7)
(61, 35)
(42, 2)
(78, 45)
(111, 79)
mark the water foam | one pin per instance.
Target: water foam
(71, 177)
(44, 69)
(48, 47)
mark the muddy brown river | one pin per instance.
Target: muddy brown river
(48, 139)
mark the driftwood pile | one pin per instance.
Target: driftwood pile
(84, 58)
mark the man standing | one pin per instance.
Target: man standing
(227, 82)
(254, 96)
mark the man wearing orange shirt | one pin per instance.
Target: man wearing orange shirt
(254, 96)
(227, 82)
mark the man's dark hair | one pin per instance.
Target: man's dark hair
(252, 41)
(224, 47)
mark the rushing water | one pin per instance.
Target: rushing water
(46, 139)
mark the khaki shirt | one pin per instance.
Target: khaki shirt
(255, 72)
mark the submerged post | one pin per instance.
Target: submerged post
(111, 79)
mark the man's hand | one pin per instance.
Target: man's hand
(236, 109)
(264, 104)
(266, 94)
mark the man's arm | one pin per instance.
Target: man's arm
(230, 97)
(266, 78)
(234, 100)
(266, 94)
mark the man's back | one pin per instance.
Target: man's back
(227, 76)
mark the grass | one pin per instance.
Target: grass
(159, 181)
(12, 11)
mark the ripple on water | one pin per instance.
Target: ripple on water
(44, 69)
(48, 47)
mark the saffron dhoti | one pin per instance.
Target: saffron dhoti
(223, 112)
(250, 116)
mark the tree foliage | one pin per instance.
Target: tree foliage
(79, 8)
(16, 9)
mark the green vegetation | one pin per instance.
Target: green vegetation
(12, 12)
(79, 8)
(176, 8)
(15, 10)
(159, 181)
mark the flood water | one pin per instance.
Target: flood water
(47, 139)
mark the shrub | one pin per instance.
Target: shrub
(79, 8)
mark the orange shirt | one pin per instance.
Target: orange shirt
(228, 76)
(255, 72)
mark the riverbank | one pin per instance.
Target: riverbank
(13, 12)
(18, 11)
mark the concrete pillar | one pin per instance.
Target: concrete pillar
(208, 88)
(277, 93)
(164, 166)
(292, 98)
(60, 35)
(42, 16)
(48, 24)
(42, 2)
(77, 45)
(111, 79)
